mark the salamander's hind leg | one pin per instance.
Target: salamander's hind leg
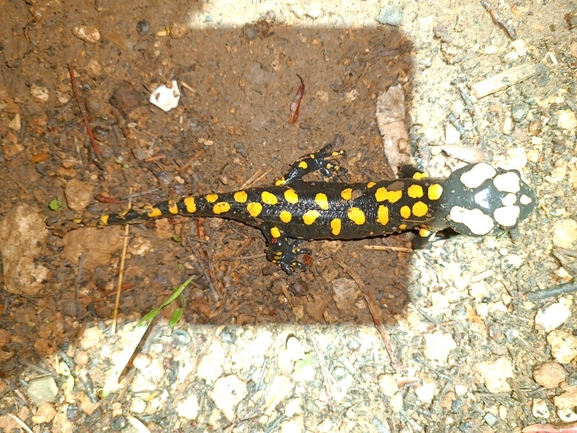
(425, 237)
(422, 239)
(411, 172)
(320, 161)
(283, 251)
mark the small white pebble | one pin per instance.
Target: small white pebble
(550, 374)
(458, 107)
(479, 290)
(452, 136)
(507, 125)
(494, 374)
(322, 95)
(563, 346)
(438, 346)
(461, 390)
(227, 393)
(293, 407)
(567, 399)
(141, 361)
(567, 415)
(166, 98)
(40, 92)
(352, 95)
(565, 233)
(519, 46)
(188, 407)
(388, 385)
(540, 409)
(490, 49)
(137, 405)
(553, 316)
(567, 120)
(81, 358)
(88, 34)
(426, 392)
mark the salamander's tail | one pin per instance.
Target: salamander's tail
(220, 205)
(186, 206)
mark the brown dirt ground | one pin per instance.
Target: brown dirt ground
(231, 123)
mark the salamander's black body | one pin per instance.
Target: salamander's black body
(475, 200)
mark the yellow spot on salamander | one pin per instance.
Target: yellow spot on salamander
(424, 233)
(383, 215)
(291, 196)
(371, 184)
(356, 215)
(303, 165)
(254, 209)
(103, 220)
(190, 204)
(240, 196)
(221, 207)
(402, 227)
(405, 212)
(322, 201)
(280, 181)
(336, 226)
(275, 232)
(268, 198)
(420, 209)
(415, 191)
(418, 175)
(211, 198)
(310, 216)
(172, 207)
(435, 191)
(347, 193)
(382, 194)
(152, 212)
(285, 216)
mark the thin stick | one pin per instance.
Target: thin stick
(95, 147)
(230, 259)
(387, 248)
(205, 270)
(510, 31)
(154, 157)
(121, 272)
(81, 263)
(255, 178)
(328, 378)
(140, 194)
(563, 289)
(395, 362)
(20, 423)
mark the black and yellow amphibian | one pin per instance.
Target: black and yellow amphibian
(475, 200)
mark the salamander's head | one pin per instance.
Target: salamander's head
(482, 199)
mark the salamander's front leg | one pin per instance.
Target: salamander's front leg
(320, 161)
(283, 251)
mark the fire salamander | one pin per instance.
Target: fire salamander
(475, 200)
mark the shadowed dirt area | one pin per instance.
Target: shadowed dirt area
(466, 335)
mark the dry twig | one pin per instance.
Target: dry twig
(121, 273)
(95, 146)
(395, 362)
(510, 31)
